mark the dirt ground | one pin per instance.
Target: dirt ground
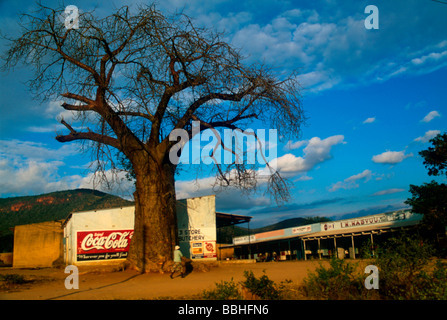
(49, 283)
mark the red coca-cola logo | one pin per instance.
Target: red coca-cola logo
(209, 247)
(104, 241)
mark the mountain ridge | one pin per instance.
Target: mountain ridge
(50, 207)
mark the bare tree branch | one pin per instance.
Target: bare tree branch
(74, 135)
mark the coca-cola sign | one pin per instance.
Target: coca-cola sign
(103, 245)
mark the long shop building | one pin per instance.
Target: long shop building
(342, 238)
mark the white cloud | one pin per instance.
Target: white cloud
(55, 111)
(31, 167)
(430, 134)
(433, 56)
(430, 116)
(226, 198)
(109, 181)
(35, 150)
(196, 187)
(33, 177)
(388, 191)
(316, 152)
(352, 181)
(370, 120)
(295, 145)
(391, 157)
(332, 49)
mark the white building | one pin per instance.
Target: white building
(100, 236)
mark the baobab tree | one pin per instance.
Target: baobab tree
(132, 78)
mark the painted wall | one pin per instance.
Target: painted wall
(37, 245)
(103, 236)
(196, 220)
(99, 236)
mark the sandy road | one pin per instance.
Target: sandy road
(130, 285)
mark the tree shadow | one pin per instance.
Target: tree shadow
(188, 267)
(91, 289)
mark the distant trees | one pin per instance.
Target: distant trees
(430, 199)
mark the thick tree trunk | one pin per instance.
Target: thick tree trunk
(155, 233)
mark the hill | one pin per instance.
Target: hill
(50, 206)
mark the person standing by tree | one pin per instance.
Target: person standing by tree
(177, 266)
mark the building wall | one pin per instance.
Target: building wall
(96, 221)
(224, 253)
(37, 245)
(196, 220)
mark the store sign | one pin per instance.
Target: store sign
(244, 239)
(103, 245)
(203, 250)
(302, 229)
(379, 219)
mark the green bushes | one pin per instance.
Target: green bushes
(264, 288)
(251, 288)
(339, 281)
(225, 290)
(406, 272)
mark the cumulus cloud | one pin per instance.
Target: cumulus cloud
(315, 152)
(352, 181)
(31, 167)
(430, 116)
(33, 177)
(391, 157)
(430, 134)
(332, 49)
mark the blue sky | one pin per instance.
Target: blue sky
(373, 98)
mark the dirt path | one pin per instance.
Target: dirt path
(49, 283)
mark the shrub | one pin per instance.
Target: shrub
(251, 287)
(406, 271)
(12, 278)
(263, 287)
(434, 286)
(225, 290)
(339, 281)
